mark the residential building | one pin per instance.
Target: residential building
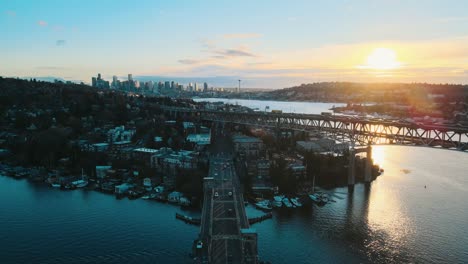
(248, 146)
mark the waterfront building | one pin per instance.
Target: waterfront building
(168, 161)
(263, 169)
(298, 171)
(123, 188)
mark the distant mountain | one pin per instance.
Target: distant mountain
(369, 92)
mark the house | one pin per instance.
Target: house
(120, 134)
(123, 188)
(101, 171)
(147, 182)
(174, 197)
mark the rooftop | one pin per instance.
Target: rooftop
(146, 150)
(245, 139)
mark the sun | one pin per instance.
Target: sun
(382, 59)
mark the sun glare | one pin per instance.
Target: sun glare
(382, 59)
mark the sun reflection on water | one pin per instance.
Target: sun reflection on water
(378, 155)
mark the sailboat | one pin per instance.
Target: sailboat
(80, 183)
(316, 197)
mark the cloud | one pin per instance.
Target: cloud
(10, 13)
(188, 61)
(234, 53)
(42, 23)
(60, 42)
(241, 35)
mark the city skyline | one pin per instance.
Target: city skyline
(266, 45)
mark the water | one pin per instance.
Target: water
(286, 107)
(395, 220)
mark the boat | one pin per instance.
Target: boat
(55, 185)
(295, 201)
(83, 182)
(325, 198)
(79, 183)
(184, 201)
(264, 205)
(278, 201)
(315, 197)
(145, 197)
(287, 203)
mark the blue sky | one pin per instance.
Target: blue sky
(269, 44)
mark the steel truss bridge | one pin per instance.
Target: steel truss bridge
(357, 131)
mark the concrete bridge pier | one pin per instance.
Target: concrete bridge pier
(368, 172)
(351, 169)
(352, 165)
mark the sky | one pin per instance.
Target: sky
(267, 44)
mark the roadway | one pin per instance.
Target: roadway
(223, 215)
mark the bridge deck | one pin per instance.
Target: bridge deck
(223, 216)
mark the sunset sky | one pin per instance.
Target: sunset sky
(268, 44)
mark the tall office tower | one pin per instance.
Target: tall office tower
(195, 87)
(99, 76)
(167, 85)
(130, 77)
(205, 87)
(93, 82)
(115, 81)
(172, 85)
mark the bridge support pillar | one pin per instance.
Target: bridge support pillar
(368, 172)
(351, 170)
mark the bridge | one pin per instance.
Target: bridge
(225, 233)
(358, 131)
